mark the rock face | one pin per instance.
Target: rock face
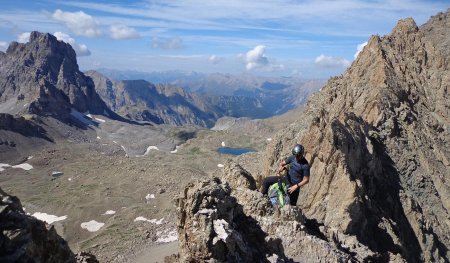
(378, 141)
(24, 238)
(42, 77)
(22, 126)
(228, 220)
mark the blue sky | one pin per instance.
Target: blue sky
(308, 39)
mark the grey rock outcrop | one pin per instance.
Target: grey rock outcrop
(227, 220)
(378, 141)
(42, 77)
(22, 126)
(24, 238)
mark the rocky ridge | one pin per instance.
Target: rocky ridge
(24, 238)
(377, 139)
(381, 132)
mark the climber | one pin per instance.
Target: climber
(297, 173)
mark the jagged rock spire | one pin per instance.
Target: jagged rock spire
(42, 76)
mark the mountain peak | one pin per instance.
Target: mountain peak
(42, 76)
(35, 36)
(404, 27)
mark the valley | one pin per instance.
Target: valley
(106, 169)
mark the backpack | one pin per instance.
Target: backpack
(278, 194)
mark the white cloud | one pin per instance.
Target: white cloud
(359, 48)
(331, 62)
(3, 45)
(80, 49)
(171, 43)
(79, 22)
(24, 37)
(215, 59)
(256, 58)
(123, 32)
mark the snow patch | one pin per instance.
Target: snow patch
(115, 142)
(92, 226)
(89, 115)
(49, 219)
(151, 148)
(123, 148)
(30, 157)
(269, 139)
(153, 221)
(3, 166)
(24, 166)
(80, 116)
(150, 196)
(70, 179)
(167, 237)
(223, 144)
(109, 212)
(98, 138)
(220, 165)
(176, 149)
(100, 120)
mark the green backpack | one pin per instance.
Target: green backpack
(278, 194)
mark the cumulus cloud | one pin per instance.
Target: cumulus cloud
(215, 59)
(331, 62)
(3, 45)
(80, 49)
(79, 23)
(359, 48)
(123, 32)
(256, 58)
(24, 37)
(171, 43)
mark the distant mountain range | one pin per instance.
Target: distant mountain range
(276, 95)
(169, 104)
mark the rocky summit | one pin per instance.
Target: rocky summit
(42, 77)
(377, 139)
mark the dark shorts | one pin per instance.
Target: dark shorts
(268, 181)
